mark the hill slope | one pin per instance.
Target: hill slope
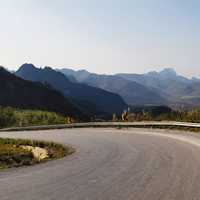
(103, 101)
(132, 92)
(176, 89)
(20, 93)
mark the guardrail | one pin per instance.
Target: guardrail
(109, 125)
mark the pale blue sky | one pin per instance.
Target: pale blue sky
(104, 36)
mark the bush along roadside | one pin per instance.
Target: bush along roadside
(12, 117)
(18, 152)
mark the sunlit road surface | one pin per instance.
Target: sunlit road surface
(110, 164)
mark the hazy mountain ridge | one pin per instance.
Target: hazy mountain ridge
(132, 92)
(162, 88)
(79, 75)
(175, 88)
(20, 93)
(103, 101)
(100, 94)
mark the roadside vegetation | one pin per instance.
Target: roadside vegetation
(159, 113)
(11, 117)
(13, 153)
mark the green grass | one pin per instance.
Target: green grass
(11, 117)
(13, 155)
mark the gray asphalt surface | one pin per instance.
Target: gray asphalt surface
(110, 164)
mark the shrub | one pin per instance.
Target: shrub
(15, 117)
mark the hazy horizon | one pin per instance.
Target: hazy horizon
(105, 37)
(80, 69)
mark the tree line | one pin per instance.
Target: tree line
(11, 117)
(158, 113)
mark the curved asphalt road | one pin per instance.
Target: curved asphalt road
(109, 164)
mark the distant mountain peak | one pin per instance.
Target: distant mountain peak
(83, 70)
(28, 65)
(165, 73)
(168, 71)
(152, 73)
(47, 67)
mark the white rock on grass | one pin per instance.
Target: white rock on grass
(38, 153)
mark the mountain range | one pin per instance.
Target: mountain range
(85, 94)
(89, 99)
(19, 93)
(153, 88)
(176, 89)
(132, 92)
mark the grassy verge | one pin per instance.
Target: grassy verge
(12, 117)
(13, 155)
